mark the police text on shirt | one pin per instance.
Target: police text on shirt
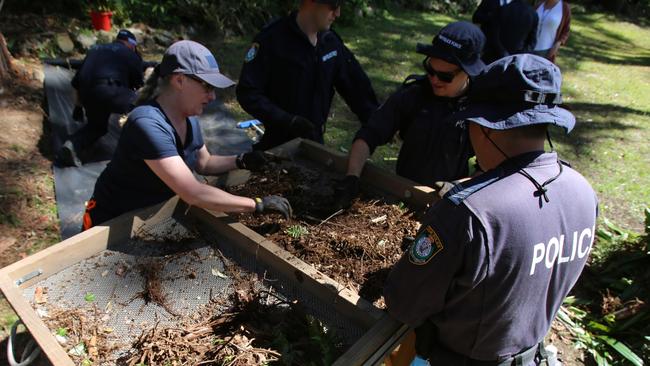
(554, 250)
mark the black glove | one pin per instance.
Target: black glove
(78, 113)
(345, 191)
(301, 127)
(274, 203)
(255, 160)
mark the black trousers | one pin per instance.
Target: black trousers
(99, 102)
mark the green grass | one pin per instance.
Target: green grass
(607, 80)
(606, 68)
(7, 318)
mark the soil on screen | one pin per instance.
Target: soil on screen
(355, 247)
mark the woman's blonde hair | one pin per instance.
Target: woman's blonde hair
(152, 87)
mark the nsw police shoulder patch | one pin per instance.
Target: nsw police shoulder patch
(252, 52)
(426, 245)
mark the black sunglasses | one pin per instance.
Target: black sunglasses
(444, 76)
(207, 87)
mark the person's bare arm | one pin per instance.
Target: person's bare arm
(177, 176)
(359, 153)
(214, 164)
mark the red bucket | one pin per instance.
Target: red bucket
(101, 20)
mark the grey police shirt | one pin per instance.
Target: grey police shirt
(493, 262)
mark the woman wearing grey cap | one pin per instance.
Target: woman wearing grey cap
(434, 148)
(161, 144)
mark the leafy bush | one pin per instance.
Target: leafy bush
(609, 316)
(227, 16)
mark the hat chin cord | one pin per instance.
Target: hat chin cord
(541, 188)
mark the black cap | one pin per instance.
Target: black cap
(459, 43)
(126, 35)
(516, 91)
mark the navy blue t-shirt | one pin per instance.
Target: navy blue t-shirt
(128, 183)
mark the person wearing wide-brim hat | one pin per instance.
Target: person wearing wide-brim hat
(496, 257)
(434, 148)
(161, 144)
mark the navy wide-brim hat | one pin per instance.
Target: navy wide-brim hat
(517, 91)
(459, 43)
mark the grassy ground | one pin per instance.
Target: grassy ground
(606, 68)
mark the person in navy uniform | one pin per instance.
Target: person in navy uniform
(291, 71)
(434, 148)
(105, 84)
(509, 25)
(496, 257)
(161, 145)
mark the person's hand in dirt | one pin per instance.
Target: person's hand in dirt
(301, 127)
(345, 191)
(274, 203)
(254, 161)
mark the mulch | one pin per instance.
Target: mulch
(355, 247)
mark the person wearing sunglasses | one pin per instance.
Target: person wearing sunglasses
(292, 70)
(495, 258)
(433, 148)
(161, 145)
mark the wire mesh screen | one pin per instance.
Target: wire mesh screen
(185, 267)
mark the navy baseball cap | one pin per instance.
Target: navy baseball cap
(517, 91)
(459, 43)
(126, 35)
(192, 58)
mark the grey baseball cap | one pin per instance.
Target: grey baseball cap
(192, 58)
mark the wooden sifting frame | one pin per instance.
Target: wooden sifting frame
(384, 333)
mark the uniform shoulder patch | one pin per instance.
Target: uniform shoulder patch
(252, 52)
(426, 246)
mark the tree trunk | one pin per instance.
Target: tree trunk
(6, 61)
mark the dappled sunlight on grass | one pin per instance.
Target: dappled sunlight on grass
(606, 69)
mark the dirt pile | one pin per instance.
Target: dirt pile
(252, 326)
(355, 247)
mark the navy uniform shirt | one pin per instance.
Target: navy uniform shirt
(510, 27)
(112, 61)
(285, 75)
(433, 148)
(489, 269)
(128, 183)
